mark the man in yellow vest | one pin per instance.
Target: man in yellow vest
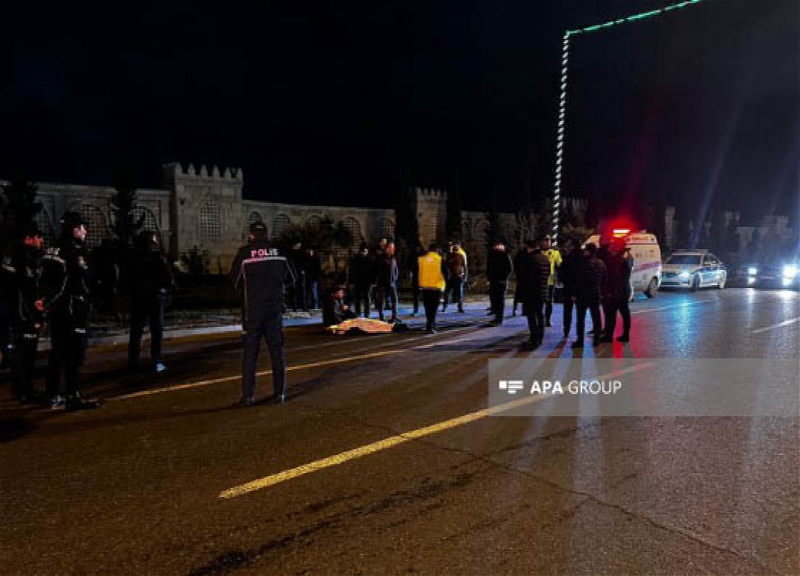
(432, 280)
(554, 256)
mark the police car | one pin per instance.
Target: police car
(646, 275)
(694, 269)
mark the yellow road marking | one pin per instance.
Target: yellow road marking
(393, 441)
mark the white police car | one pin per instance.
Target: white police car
(693, 269)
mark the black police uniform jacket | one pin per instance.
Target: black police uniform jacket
(65, 282)
(535, 273)
(261, 274)
(499, 267)
(591, 280)
(20, 273)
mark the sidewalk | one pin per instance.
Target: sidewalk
(200, 323)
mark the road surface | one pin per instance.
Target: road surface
(168, 478)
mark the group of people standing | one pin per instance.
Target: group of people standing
(56, 287)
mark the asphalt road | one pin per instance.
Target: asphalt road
(378, 463)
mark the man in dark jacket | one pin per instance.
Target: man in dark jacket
(520, 260)
(457, 272)
(297, 290)
(313, 270)
(362, 276)
(20, 272)
(334, 307)
(591, 279)
(536, 271)
(150, 280)
(617, 291)
(569, 273)
(498, 270)
(65, 291)
(262, 275)
(387, 274)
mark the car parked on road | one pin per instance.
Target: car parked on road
(693, 269)
(775, 273)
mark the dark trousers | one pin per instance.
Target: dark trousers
(453, 290)
(147, 308)
(624, 310)
(517, 298)
(430, 299)
(594, 309)
(387, 294)
(534, 310)
(23, 358)
(269, 326)
(568, 306)
(68, 350)
(297, 293)
(548, 303)
(312, 294)
(415, 294)
(497, 297)
(361, 296)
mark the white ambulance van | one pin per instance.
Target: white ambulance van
(646, 275)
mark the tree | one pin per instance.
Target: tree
(544, 216)
(494, 229)
(525, 223)
(322, 236)
(406, 220)
(126, 224)
(453, 225)
(20, 206)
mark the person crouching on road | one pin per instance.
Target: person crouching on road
(335, 309)
(150, 280)
(432, 280)
(262, 275)
(20, 273)
(498, 270)
(65, 291)
(534, 292)
(590, 284)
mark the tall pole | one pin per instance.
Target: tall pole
(562, 106)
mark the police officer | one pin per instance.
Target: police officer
(64, 296)
(432, 280)
(150, 280)
(20, 273)
(498, 270)
(617, 291)
(262, 275)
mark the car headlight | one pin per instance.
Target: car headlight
(684, 275)
(789, 271)
(752, 271)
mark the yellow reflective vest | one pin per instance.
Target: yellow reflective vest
(555, 260)
(430, 272)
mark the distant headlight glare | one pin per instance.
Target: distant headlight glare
(789, 271)
(752, 271)
(683, 275)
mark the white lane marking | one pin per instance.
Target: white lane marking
(395, 440)
(778, 325)
(330, 362)
(683, 305)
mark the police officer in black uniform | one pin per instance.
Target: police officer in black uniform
(150, 280)
(64, 296)
(262, 275)
(20, 272)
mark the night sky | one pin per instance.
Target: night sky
(344, 102)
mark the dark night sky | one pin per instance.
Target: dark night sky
(342, 102)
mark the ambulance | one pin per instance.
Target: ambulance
(646, 275)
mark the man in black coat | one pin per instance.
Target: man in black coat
(498, 270)
(534, 292)
(150, 280)
(262, 275)
(592, 276)
(297, 290)
(387, 274)
(64, 295)
(520, 259)
(617, 291)
(20, 273)
(569, 273)
(313, 271)
(362, 276)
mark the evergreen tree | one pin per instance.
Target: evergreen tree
(493, 227)
(405, 213)
(126, 224)
(453, 225)
(20, 206)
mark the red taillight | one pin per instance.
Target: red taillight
(620, 232)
